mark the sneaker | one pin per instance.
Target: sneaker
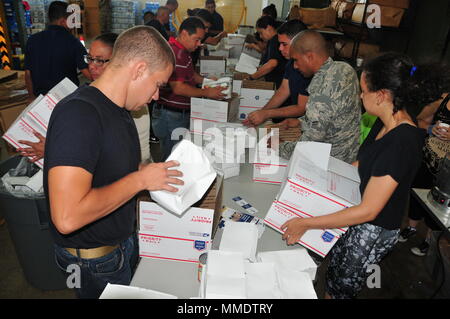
(154, 140)
(421, 250)
(406, 233)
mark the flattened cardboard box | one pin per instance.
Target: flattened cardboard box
(163, 235)
(285, 134)
(212, 65)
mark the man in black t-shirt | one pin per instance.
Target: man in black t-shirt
(293, 88)
(217, 25)
(53, 54)
(162, 18)
(92, 172)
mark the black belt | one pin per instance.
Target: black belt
(172, 108)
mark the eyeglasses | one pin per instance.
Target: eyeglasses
(97, 62)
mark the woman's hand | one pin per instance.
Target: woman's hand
(441, 132)
(293, 230)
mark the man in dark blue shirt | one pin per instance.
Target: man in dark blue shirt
(294, 85)
(162, 18)
(217, 25)
(53, 54)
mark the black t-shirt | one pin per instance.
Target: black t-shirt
(217, 25)
(397, 154)
(88, 130)
(158, 26)
(272, 52)
(52, 55)
(298, 84)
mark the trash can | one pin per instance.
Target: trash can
(28, 225)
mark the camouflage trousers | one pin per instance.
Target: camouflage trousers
(361, 246)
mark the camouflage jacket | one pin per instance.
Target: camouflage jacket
(333, 112)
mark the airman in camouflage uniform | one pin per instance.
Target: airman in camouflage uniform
(333, 111)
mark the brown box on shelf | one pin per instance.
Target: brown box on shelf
(404, 4)
(318, 17)
(390, 16)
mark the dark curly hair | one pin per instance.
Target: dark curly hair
(412, 87)
(201, 13)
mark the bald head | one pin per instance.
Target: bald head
(143, 43)
(310, 41)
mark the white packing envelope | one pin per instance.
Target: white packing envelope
(295, 259)
(295, 284)
(198, 175)
(128, 292)
(225, 275)
(240, 237)
(247, 64)
(261, 281)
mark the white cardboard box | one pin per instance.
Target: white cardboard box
(247, 64)
(268, 167)
(311, 190)
(163, 235)
(254, 96)
(212, 65)
(205, 113)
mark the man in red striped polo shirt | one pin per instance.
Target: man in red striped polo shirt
(173, 108)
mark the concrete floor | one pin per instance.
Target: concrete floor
(403, 275)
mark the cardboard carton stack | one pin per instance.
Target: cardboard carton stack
(316, 185)
(35, 117)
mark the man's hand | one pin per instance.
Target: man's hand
(215, 93)
(159, 176)
(293, 229)
(36, 150)
(256, 118)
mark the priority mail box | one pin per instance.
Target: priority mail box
(163, 235)
(268, 167)
(317, 185)
(212, 65)
(254, 96)
(206, 112)
(35, 117)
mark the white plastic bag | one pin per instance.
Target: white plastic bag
(198, 175)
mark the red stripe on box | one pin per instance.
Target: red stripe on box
(262, 181)
(332, 200)
(198, 118)
(269, 164)
(36, 118)
(11, 141)
(165, 258)
(184, 239)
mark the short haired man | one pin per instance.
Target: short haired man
(217, 25)
(162, 18)
(173, 108)
(53, 54)
(333, 110)
(173, 6)
(293, 87)
(92, 172)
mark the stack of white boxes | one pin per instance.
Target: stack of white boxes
(316, 185)
(37, 115)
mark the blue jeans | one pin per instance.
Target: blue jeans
(116, 267)
(164, 122)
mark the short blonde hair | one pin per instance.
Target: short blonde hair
(145, 43)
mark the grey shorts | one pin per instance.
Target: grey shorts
(361, 246)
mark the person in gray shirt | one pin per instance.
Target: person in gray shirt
(333, 110)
